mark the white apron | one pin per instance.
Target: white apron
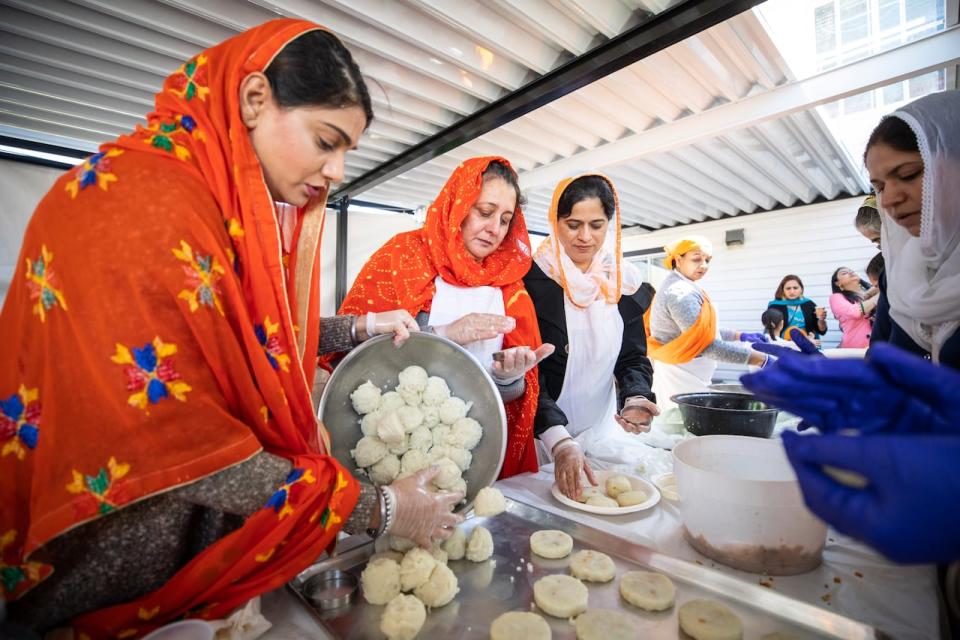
(671, 379)
(588, 397)
(452, 303)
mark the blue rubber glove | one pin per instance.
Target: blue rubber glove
(746, 336)
(908, 511)
(891, 391)
(803, 343)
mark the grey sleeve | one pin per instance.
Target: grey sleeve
(335, 334)
(686, 309)
(512, 391)
(241, 489)
(367, 503)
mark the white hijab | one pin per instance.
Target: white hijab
(923, 274)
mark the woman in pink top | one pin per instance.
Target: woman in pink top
(852, 304)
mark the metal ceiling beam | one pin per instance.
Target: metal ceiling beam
(670, 27)
(931, 53)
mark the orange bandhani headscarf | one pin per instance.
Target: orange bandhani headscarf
(155, 333)
(691, 343)
(401, 275)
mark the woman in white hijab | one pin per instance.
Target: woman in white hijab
(584, 295)
(913, 158)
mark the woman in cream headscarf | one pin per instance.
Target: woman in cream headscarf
(583, 294)
(684, 340)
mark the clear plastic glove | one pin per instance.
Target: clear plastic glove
(746, 336)
(908, 510)
(891, 391)
(569, 464)
(637, 414)
(399, 322)
(474, 327)
(421, 514)
(516, 361)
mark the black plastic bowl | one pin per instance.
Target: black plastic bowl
(732, 414)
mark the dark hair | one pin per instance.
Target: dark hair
(849, 295)
(497, 169)
(892, 132)
(876, 265)
(316, 70)
(869, 218)
(770, 319)
(779, 295)
(584, 188)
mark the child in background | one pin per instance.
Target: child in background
(875, 269)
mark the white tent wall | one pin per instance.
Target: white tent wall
(22, 186)
(809, 241)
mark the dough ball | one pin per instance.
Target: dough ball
(602, 501)
(462, 457)
(431, 416)
(380, 580)
(385, 471)
(442, 435)
(592, 566)
(519, 624)
(456, 544)
(414, 460)
(438, 553)
(396, 556)
(615, 485)
(460, 486)
(369, 451)
(489, 502)
(415, 568)
(391, 401)
(365, 398)
(449, 473)
(402, 618)
(480, 545)
(605, 624)
(440, 587)
(631, 498)
(709, 620)
(389, 428)
(467, 433)
(410, 418)
(436, 391)
(560, 596)
(550, 543)
(401, 447)
(368, 425)
(421, 438)
(401, 544)
(414, 377)
(648, 590)
(452, 410)
(411, 397)
(590, 492)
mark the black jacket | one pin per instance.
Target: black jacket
(809, 310)
(633, 371)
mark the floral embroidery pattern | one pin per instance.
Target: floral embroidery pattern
(268, 339)
(165, 135)
(291, 489)
(20, 422)
(17, 577)
(93, 170)
(42, 284)
(203, 278)
(102, 488)
(329, 516)
(190, 80)
(150, 373)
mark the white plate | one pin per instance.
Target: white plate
(601, 476)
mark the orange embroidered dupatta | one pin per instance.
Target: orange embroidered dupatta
(156, 333)
(401, 275)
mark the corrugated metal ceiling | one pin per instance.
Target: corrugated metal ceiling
(75, 73)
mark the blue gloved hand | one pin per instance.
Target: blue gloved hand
(803, 343)
(746, 336)
(908, 511)
(892, 391)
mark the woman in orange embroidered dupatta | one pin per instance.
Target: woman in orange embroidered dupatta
(159, 329)
(464, 270)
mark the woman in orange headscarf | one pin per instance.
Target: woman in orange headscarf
(461, 275)
(684, 340)
(159, 453)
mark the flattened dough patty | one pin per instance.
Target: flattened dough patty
(551, 543)
(560, 595)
